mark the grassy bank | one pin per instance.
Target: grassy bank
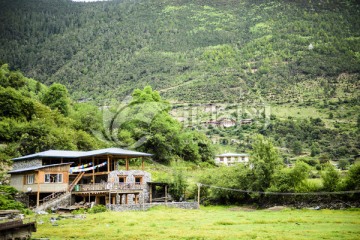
(207, 223)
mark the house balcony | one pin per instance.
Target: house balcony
(112, 187)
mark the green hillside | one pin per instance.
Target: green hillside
(293, 67)
(192, 51)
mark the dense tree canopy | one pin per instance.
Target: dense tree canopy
(190, 50)
(28, 126)
(57, 98)
(145, 124)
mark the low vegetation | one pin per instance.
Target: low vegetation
(206, 223)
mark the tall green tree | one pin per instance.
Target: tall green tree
(264, 161)
(13, 104)
(147, 125)
(288, 180)
(178, 185)
(57, 98)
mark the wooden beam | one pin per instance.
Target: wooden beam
(108, 163)
(96, 174)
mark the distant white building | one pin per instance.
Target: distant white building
(229, 159)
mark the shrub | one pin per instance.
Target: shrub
(343, 164)
(79, 211)
(330, 178)
(97, 209)
(352, 180)
(310, 161)
(7, 200)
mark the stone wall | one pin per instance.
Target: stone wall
(146, 206)
(21, 164)
(130, 178)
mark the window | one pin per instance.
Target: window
(138, 180)
(53, 178)
(122, 179)
(30, 179)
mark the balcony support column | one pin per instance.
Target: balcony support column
(127, 163)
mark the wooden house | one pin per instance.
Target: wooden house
(101, 176)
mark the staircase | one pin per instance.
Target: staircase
(54, 200)
(59, 198)
(76, 180)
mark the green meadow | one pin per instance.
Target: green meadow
(207, 223)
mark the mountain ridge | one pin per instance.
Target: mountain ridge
(106, 49)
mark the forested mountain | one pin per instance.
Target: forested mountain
(301, 58)
(190, 50)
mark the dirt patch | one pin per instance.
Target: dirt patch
(242, 209)
(277, 208)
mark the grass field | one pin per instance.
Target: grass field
(207, 223)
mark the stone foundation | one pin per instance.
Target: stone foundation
(146, 206)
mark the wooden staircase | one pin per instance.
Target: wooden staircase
(76, 180)
(55, 198)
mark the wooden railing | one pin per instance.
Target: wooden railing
(51, 197)
(109, 186)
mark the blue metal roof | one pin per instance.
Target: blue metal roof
(52, 154)
(117, 152)
(81, 154)
(38, 167)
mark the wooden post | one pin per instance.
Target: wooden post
(127, 164)
(150, 194)
(142, 164)
(166, 194)
(93, 171)
(199, 186)
(38, 199)
(109, 200)
(38, 190)
(108, 163)
(38, 196)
